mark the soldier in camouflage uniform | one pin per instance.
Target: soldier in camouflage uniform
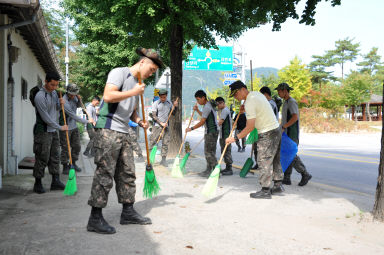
(160, 111)
(260, 115)
(136, 147)
(290, 124)
(72, 102)
(113, 144)
(225, 129)
(91, 110)
(209, 118)
(46, 141)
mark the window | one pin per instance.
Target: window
(24, 89)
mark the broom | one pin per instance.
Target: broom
(85, 110)
(247, 165)
(186, 156)
(151, 186)
(176, 170)
(154, 149)
(211, 184)
(71, 186)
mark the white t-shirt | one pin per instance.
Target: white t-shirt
(257, 107)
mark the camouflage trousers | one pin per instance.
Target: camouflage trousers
(91, 134)
(46, 147)
(135, 145)
(228, 154)
(156, 130)
(268, 157)
(243, 140)
(296, 163)
(74, 142)
(210, 142)
(114, 161)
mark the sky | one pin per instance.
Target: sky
(362, 20)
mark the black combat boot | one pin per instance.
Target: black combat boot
(56, 183)
(38, 187)
(77, 169)
(227, 170)
(255, 167)
(287, 176)
(66, 168)
(277, 188)
(86, 153)
(239, 149)
(98, 224)
(264, 193)
(130, 216)
(243, 149)
(205, 173)
(305, 177)
(164, 161)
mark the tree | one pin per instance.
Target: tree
(345, 51)
(378, 208)
(298, 77)
(174, 27)
(356, 89)
(317, 68)
(371, 62)
(370, 65)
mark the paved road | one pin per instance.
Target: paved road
(347, 161)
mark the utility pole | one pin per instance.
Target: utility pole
(66, 54)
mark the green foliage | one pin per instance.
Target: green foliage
(346, 51)
(298, 77)
(371, 63)
(356, 88)
(318, 69)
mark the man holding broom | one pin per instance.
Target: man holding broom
(72, 102)
(160, 111)
(209, 118)
(113, 144)
(46, 144)
(225, 129)
(260, 115)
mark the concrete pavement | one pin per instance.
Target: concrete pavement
(315, 219)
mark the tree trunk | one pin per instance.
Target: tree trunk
(378, 208)
(176, 50)
(369, 112)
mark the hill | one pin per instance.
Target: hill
(194, 80)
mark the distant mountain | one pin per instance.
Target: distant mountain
(194, 80)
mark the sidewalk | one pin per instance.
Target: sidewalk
(315, 219)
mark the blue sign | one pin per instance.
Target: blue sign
(211, 59)
(228, 82)
(231, 76)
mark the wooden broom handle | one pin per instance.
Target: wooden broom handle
(66, 131)
(196, 145)
(226, 145)
(185, 135)
(169, 116)
(143, 113)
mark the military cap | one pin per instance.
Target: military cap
(283, 86)
(152, 55)
(236, 86)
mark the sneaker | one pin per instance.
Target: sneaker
(264, 193)
(305, 179)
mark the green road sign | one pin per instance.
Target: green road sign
(212, 59)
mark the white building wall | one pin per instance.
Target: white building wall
(28, 68)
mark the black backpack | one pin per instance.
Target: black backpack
(32, 94)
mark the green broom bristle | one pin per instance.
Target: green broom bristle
(210, 186)
(152, 156)
(246, 167)
(176, 171)
(151, 186)
(71, 186)
(252, 137)
(183, 162)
